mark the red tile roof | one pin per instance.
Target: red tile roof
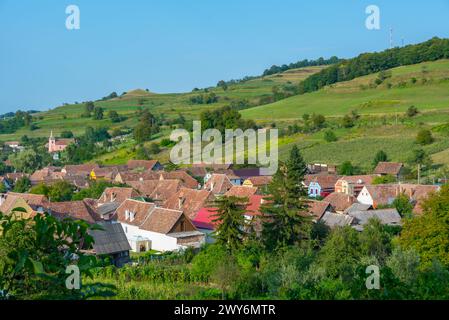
(241, 192)
(340, 201)
(393, 168)
(146, 164)
(218, 184)
(188, 200)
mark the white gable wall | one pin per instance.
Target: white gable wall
(364, 197)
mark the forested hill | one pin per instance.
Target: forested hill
(369, 63)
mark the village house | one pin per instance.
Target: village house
(111, 241)
(218, 184)
(14, 145)
(394, 169)
(241, 192)
(390, 217)
(148, 227)
(205, 222)
(157, 190)
(317, 209)
(384, 195)
(320, 185)
(352, 185)
(340, 201)
(35, 201)
(260, 182)
(8, 204)
(77, 210)
(80, 169)
(186, 180)
(334, 220)
(318, 168)
(150, 165)
(5, 183)
(190, 201)
(117, 194)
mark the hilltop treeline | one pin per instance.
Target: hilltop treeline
(369, 63)
(301, 64)
(15, 121)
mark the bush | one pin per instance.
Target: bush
(330, 136)
(424, 137)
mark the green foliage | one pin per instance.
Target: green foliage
(384, 180)
(381, 156)
(26, 161)
(330, 136)
(66, 134)
(424, 137)
(368, 63)
(403, 205)
(95, 190)
(428, 234)
(22, 185)
(146, 127)
(412, 111)
(224, 118)
(346, 169)
(347, 121)
(34, 255)
(230, 220)
(283, 221)
(98, 113)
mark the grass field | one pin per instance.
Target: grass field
(344, 97)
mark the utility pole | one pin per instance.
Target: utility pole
(391, 38)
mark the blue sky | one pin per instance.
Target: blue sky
(176, 45)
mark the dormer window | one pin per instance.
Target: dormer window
(126, 214)
(132, 215)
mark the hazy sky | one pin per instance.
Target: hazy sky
(176, 45)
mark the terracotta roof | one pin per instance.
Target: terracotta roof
(188, 200)
(35, 200)
(326, 181)
(157, 190)
(218, 184)
(359, 180)
(116, 194)
(161, 220)
(186, 179)
(64, 142)
(139, 208)
(241, 192)
(260, 181)
(15, 176)
(80, 168)
(318, 208)
(393, 168)
(196, 171)
(126, 177)
(148, 216)
(340, 201)
(146, 164)
(78, 210)
(10, 203)
(47, 173)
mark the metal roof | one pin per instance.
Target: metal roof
(110, 240)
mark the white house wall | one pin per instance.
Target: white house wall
(159, 241)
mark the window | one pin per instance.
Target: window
(132, 215)
(126, 214)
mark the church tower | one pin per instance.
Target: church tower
(51, 143)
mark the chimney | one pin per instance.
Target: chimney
(180, 202)
(212, 186)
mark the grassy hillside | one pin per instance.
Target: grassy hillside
(360, 94)
(68, 117)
